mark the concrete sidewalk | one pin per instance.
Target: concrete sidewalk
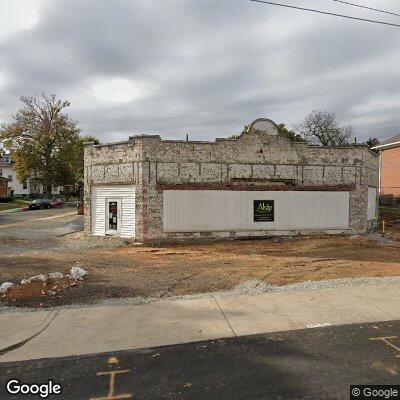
(35, 335)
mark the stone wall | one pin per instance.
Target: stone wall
(256, 158)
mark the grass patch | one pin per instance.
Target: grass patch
(14, 204)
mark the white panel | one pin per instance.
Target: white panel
(372, 203)
(217, 210)
(98, 208)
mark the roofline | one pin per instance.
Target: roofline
(219, 140)
(386, 146)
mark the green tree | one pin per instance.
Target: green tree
(43, 140)
(236, 135)
(372, 142)
(282, 131)
(289, 134)
(79, 157)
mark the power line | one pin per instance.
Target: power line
(367, 8)
(325, 12)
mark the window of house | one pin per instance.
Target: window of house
(10, 177)
(1, 172)
(24, 185)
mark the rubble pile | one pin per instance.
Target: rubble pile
(43, 285)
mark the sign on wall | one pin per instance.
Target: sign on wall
(264, 211)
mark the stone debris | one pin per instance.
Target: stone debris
(40, 277)
(56, 275)
(78, 272)
(6, 286)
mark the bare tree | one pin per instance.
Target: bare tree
(322, 127)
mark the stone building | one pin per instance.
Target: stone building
(259, 184)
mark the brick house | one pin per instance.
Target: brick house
(390, 167)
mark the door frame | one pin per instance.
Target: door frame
(108, 231)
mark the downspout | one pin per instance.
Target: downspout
(379, 172)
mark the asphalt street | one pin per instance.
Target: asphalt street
(319, 363)
(24, 231)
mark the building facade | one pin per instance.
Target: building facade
(259, 184)
(4, 190)
(31, 188)
(390, 167)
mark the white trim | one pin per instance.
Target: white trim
(379, 172)
(386, 146)
(114, 232)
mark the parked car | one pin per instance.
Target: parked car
(56, 203)
(39, 204)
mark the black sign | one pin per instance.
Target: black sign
(264, 210)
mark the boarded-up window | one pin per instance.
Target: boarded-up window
(372, 202)
(218, 210)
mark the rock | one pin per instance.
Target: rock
(24, 281)
(78, 272)
(6, 286)
(36, 278)
(56, 275)
(51, 293)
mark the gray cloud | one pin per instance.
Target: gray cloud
(204, 67)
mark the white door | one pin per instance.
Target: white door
(126, 207)
(113, 216)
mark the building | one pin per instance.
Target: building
(389, 182)
(259, 184)
(31, 188)
(4, 189)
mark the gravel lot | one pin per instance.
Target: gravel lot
(121, 271)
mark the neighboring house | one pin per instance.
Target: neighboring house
(389, 166)
(20, 189)
(32, 187)
(4, 190)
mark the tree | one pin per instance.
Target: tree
(289, 134)
(372, 142)
(236, 135)
(322, 127)
(43, 140)
(282, 131)
(79, 150)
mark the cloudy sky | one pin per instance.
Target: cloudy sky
(203, 67)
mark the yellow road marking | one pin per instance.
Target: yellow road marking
(385, 339)
(111, 388)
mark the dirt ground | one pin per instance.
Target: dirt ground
(131, 270)
(391, 216)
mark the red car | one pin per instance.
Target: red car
(56, 203)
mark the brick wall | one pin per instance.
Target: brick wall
(390, 172)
